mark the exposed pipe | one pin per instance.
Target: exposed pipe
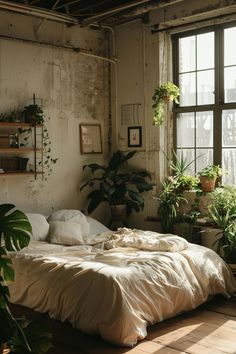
(62, 46)
(37, 12)
(149, 7)
(93, 18)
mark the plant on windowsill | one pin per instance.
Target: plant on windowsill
(164, 93)
(117, 184)
(19, 336)
(208, 176)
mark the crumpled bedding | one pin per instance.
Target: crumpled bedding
(145, 240)
(118, 292)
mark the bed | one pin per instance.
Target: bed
(114, 284)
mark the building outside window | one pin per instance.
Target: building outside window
(205, 124)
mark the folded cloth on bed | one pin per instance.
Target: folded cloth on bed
(145, 240)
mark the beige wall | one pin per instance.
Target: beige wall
(73, 89)
(141, 68)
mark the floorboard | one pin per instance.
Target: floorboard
(210, 329)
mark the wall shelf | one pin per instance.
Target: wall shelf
(12, 159)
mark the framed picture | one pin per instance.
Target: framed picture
(90, 139)
(134, 136)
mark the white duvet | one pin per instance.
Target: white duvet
(118, 292)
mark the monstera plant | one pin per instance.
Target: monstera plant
(20, 336)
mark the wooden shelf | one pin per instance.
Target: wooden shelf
(17, 150)
(18, 173)
(19, 125)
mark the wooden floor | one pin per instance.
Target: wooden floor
(210, 329)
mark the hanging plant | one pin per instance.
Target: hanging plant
(164, 93)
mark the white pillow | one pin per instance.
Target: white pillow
(96, 229)
(65, 233)
(40, 226)
(75, 216)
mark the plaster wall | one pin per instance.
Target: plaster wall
(141, 68)
(72, 88)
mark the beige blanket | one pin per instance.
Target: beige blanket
(116, 293)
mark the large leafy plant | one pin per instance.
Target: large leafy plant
(223, 212)
(117, 183)
(21, 336)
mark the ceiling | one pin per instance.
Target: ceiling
(98, 11)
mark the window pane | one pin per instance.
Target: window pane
(230, 84)
(229, 40)
(204, 129)
(229, 165)
(205, 51)
(185, 130)
(188, 154)
(187, 49)
(204, 158)
(187, 85)
(229, 128)
(205, 87)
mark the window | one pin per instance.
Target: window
(205, 125)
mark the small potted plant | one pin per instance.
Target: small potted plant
(208, 176)
(163, 94)
(33, 114)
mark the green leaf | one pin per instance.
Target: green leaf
(96, 198)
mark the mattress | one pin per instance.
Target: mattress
(116, 292)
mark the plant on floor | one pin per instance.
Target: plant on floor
(223, 213)
(164, 93)
(117, 184)
(21, 336)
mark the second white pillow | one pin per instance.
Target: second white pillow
(66, 233)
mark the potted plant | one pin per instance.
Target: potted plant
(33, 114)
(20, 336)
(163, 94)
(208, 176)
(223, 213)
(117, 184)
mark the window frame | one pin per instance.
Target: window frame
(219, 105)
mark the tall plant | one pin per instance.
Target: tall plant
(15, 231)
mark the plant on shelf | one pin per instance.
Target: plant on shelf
(117, 184)
(33, 114)
(208, 176)
(223, 213)
(20, 336)
(11, 117)
(163, 94)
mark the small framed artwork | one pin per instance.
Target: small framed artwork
(90, 139)
(134, 136)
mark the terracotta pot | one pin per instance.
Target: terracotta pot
(207, 184)
(167, 98)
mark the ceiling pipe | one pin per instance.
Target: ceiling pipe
(37, 12)
(149, 7)
(115, 10)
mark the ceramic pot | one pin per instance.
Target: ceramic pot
(119, 212)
